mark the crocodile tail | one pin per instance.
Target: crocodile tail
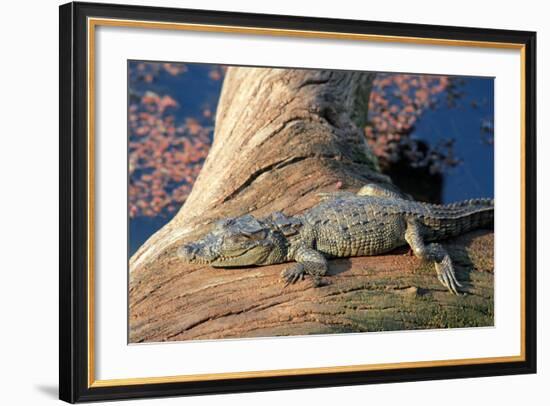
(453, 219)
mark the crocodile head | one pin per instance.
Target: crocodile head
(235, 242)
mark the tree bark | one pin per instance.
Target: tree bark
(282, 136)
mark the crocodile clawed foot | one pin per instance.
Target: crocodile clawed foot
(293, 274)
(446, 275)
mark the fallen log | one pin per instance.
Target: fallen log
(282, 136)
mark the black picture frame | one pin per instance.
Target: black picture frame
(74, 385)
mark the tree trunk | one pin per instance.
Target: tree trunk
(282, 136)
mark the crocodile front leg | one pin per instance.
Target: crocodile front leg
(308, 261)
(433, 252)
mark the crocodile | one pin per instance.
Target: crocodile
(373, 221)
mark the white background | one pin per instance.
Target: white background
(115, 359)
(29, 220)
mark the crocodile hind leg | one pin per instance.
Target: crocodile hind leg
(308, 262)
(433, 252)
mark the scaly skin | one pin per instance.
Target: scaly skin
(372, 222)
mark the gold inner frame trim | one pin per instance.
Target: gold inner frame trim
(94, 22)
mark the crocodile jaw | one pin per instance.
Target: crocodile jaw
(200, 253)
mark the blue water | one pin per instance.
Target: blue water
(473, 177)
(193, 90)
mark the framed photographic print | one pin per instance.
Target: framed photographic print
(255, 202)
